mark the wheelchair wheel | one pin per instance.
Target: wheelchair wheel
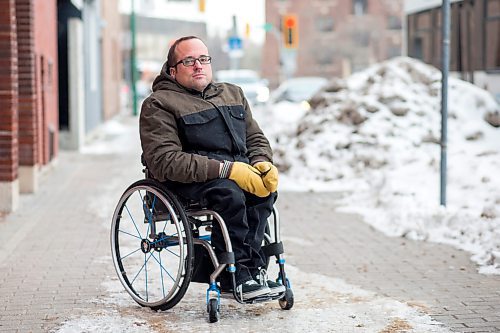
(152, 245)
(286, 303)
(213, 311)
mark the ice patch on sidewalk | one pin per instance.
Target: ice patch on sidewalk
(106, 321)
(322, 304)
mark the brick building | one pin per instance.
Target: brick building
(28, 95)
(112, 64)
(335, 37)
(31, 113)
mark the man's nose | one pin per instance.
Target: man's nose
(197, 63)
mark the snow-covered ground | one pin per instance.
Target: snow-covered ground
(323, 305)
(375, 136)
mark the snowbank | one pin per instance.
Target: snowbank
(376, 136)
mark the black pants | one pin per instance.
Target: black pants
(245, 215)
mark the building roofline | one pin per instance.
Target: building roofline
(415, 6)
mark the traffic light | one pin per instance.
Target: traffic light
(290, 31)
(201, 6)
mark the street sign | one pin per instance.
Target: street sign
(235, 43)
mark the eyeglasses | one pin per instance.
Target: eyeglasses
(190, 61)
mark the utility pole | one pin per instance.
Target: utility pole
(133, 67)
(445, 60)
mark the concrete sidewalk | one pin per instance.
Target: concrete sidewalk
(441, 280)
(55, 253)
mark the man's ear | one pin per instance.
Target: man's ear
(172, 72)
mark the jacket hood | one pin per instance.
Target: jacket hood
(165, 81)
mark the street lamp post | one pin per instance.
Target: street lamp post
(133, 68)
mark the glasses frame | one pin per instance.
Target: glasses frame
(183, 61)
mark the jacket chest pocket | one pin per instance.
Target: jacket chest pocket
(204, 131)
(239, 129)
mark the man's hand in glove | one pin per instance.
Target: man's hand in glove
(246, 176)
(269, 174)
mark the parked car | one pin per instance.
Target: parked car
(297, 90)
(254, 88)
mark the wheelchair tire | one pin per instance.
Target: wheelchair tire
(152, 245)
(213, 311)
(286, 303)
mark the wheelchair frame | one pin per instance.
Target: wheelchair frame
(155, 266)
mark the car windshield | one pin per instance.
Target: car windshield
(300, 89)
(238, 76)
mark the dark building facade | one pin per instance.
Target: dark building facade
(474, 38)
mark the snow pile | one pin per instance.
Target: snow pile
(376, 136)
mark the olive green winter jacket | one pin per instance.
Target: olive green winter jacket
(185, 133)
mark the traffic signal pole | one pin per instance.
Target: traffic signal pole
(445, 60)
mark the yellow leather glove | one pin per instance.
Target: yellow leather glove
(246, 176)
(269, 174)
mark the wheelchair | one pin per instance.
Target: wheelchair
(160, 243)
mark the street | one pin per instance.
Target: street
(56, 271)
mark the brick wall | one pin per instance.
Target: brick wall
(46, 78)
(9, 154)
(28, 138)
(28, 94)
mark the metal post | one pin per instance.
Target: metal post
(133, 67)
(445, 60)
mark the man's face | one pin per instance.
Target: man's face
(195, 77)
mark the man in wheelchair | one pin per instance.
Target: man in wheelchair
(199, 138)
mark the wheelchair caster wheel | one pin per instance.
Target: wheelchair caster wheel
(213, 311)
(286, 302)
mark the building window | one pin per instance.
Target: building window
(421, 41)
(393, 51)
(492, 36)
(324, 23)
(325, 57)
(361, 38)
(50, 70)
(394, 23)
(418, 52)
(359, 7)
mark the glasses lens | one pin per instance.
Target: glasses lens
(188, 61)
(205, 59)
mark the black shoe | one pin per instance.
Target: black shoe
(251, 289)
(274, 287)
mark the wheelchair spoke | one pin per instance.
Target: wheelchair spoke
(163, 268)
(142, 267)
(146, 272)
(121, 258)
(127, 233)
(135, 225)
(161, 275)
(175, 254)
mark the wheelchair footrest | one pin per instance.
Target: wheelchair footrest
(259, 299)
